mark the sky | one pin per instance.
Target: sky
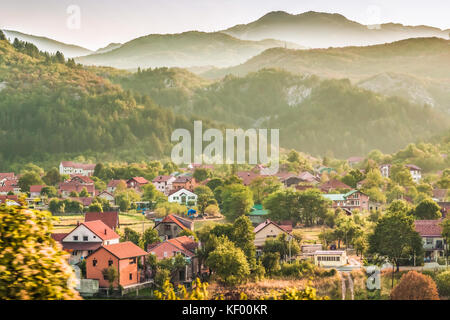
(96, 23)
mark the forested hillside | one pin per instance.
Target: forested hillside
(49, 107)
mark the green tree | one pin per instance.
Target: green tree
(95, 207)
(52, 177)
(29, 178)
(50, 192)
(130, 235)
(84, 193)
(205, 197)
(237, 200)
(149, 236)
(427, 210)
(229, 263)
(2, 35)
(201, 174)
(126, 198)
(283, 246)
(445, 224)
(32, 265)
(244, 237)
(111, 275)
(395, 238)
(271, 262)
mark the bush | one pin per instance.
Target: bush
(415, 286)
(298, 269)
(443, 283)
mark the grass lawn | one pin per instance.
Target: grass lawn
(129, 219)
(201, 223)
(310, 234)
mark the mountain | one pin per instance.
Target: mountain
(188, 49)
(425, 59)
(51, 109)
(109, 47)
(314, 115)
(323, 30)
(48, 45)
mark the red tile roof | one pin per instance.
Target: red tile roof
(111, 218)
(84, 179)
(140, 180)
(36, 188)
(173, 219)
(101, 230)
(428, 228)
(76, 165)
(115, 183)
(85, 201)
(6, 189)
(161, 178)
(10, 197)
(59, 236)
(334, 184)
(184, 242)
(266, 223)
(125, 250)
(6, 175)
(412, 167)
(247, 176)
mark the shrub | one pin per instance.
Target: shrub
(415, 286)
(443, 283)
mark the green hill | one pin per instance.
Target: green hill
(188, 49)
(323, 30)
(49, 109)
(48, 45)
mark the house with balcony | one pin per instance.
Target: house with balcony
(354, 199)
(433, 242)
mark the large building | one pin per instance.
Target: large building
(351, 200)
(74, 168)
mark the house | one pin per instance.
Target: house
(87, 237)
(184, 182)
(9, 185)
(74, 168)
(333, 184)
(416, 172)
(330, 258)
(85, 201)
(136, 183)
(267, 230)
(171, 226)
(185, 246)
(308, 177)
(291, 180)
(184, 197)
(66, 188)
(112, 185)
(10, 198)
(433, 242)
(7, 176)
(247, 176)
(351, 200)
(110, 218)
(35, 191)
(125, 257)
(352, 161)
(439, 195)
(164, 183)
(385, 170)
(81, 179)
(107, 196)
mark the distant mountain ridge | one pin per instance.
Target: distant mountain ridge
(322, 30)
(185, 50)
(47, 44)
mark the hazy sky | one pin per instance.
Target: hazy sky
(101, 22)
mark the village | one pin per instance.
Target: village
(130, 236)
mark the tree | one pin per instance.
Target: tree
(214, 183)
(443, 283)
(395, 238)
(2, 35)
(130, 235)
(271, 262)
(52, 177)
(149, 236)
(50, 192)
(401, 175)
(212, 210)
(95, 207)
(427, 210)
(244, 237)
(29, 178)
(150, 193)
(282, 246)
(84, 193)
(228, 263)
(56, 206)
(415, 286)
(261, 187)
(205, 197)
(445, 224)
(237, 200)
(126, 198)
(32, 264)
(111, 275)
(201, 174)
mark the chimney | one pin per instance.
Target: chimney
(105, 231)
(78, 223)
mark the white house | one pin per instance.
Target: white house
(385, 170)
(69, 167)
(107, 196)
(416, 172)
(86, 238)
(183, 196)
(164, 184)
(267, 230)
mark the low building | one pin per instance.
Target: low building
(107, 196)
(171, 226)
(74, 168)
(184, 197)
(433, 242)
(267, 230)
(112, 185)
(87, 237)
(164, 183)
(330, 258)
(136, 183)
(184, 182)
(110, 218)
(35, 191)
(415, 171)
(124, 257)
(186, 246)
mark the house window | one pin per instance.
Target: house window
(133, 260)
(110, 262)
(429, 241)
(165, 253)
(85, 238)
(131, 276)
(89, 252)
(74, 252)
(94, 262)
(75, 238)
